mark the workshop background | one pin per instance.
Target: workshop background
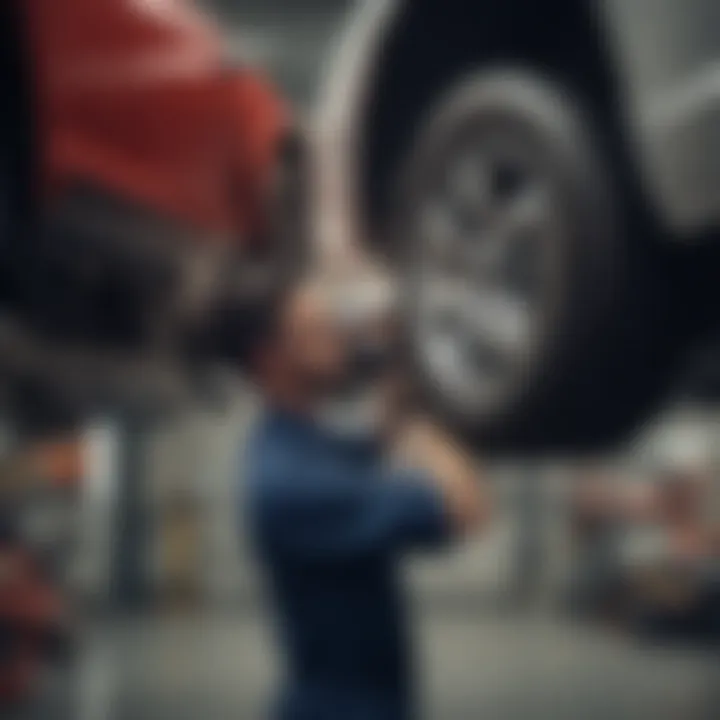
(173, 619)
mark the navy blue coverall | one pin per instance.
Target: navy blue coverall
(330, 524)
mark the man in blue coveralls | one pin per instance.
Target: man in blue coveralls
(332, 513)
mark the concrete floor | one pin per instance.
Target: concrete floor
(494, 669)
(479, 663)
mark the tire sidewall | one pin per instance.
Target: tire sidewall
(588, 266)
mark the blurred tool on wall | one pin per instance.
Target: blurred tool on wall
(39, 488)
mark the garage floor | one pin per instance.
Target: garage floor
(502, 669)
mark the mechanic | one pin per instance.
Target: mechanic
(333, 508)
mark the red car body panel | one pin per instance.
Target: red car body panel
(134, 96)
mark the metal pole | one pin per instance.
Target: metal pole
(129, 578)
(529, 557)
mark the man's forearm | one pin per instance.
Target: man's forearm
(464, 490)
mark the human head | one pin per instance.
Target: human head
(295, 348)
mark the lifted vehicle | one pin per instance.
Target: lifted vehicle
(545, 177)
(136, 168)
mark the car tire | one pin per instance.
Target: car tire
(593, 339)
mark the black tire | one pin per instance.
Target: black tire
(603, 336)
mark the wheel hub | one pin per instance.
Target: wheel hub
(480, 270)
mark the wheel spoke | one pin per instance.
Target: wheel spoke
(439, 231)
(475, 334)
(499, 321)
(508, 253)
(525, 214)
(468, 183)
(486, 256)
(443, 300)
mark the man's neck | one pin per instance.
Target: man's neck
(287, 397)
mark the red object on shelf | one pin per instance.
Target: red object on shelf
(31, 610)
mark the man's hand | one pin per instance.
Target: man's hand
(422, 444)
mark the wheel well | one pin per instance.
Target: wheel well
(433, 43)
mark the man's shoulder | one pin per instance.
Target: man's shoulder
(273, 455)
(267, 455)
